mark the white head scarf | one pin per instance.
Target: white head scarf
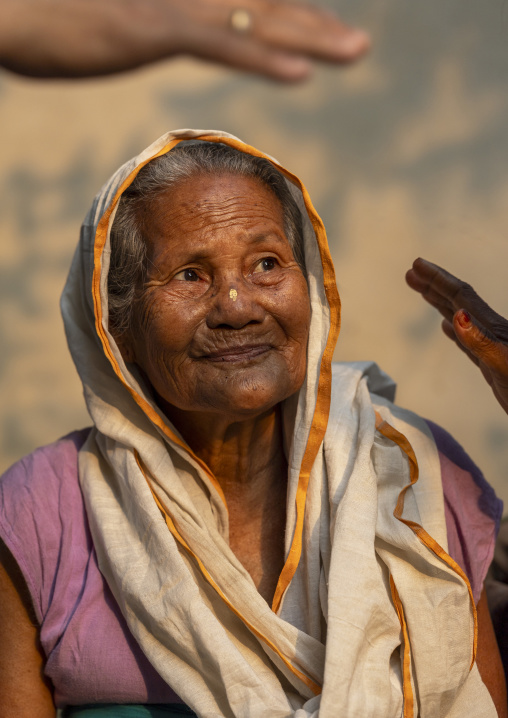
(371, 618)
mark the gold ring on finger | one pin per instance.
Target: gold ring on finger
(240, 21)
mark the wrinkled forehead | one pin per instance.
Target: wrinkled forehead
(121, 183)
(211, 192)
(210, 201)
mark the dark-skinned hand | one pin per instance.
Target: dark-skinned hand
(476, 328)
(85, 38)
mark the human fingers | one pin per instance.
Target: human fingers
(444, 290)
(280, 39)
(248, 55)
(447, 327)
(423, 285)
(477, 329)
(488, 351)
(431, 280)
(306, 29)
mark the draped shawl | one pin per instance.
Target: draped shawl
(371, 618)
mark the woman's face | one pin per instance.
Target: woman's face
(223, 318)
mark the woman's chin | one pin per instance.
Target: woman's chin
(237, 396)
(241, 400)
(242, 405)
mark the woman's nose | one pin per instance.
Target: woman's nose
(234, 306)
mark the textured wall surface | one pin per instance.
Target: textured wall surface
(404, 155)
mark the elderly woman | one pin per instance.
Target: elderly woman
(247, 530)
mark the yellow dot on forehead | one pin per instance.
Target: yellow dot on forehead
(233, 294)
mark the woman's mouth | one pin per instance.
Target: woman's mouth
(237, 354)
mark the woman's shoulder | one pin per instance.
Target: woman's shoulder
(46, 464)
(47, 474)
(462, 476)
(41, 505)
(472, 510)
(54, 457)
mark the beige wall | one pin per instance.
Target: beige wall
(404, 155)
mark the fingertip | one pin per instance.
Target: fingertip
(421, 263)
(426, 270)
(467, 331)
(409, 276)
(290, 68)
(463, 319)
(414, 281)
(354, 44)
(412, 272)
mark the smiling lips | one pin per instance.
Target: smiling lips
(237, 354)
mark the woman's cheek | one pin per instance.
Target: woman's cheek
(173, 334)
(293, 308)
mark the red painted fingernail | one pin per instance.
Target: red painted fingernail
(464, 318)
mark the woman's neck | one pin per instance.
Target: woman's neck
(248, 461)
(244, 456)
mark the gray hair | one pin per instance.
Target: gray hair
(128, 260)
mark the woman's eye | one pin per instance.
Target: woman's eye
(266, 264)
(187, 275)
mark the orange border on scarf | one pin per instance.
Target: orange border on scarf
(407, 688)
(402, 442)
(322, 408)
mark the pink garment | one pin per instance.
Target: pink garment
(472, 510)
(91, 655)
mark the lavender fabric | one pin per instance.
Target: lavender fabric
(472, 510)
(91, 655)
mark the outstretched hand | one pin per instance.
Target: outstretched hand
(84, 38)
(468, 320)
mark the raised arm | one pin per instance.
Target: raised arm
(83, 38)
(476, 328)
